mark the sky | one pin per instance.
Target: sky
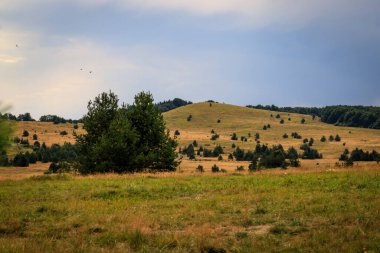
(56, 55)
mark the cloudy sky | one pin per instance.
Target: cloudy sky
(283, 52)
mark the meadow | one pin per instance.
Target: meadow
(333, 211)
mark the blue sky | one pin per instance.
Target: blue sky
(287, 53)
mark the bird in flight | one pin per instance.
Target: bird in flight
(16, 45)
(90, 72)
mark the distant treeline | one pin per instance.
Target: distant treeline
(45, 118)
(340, 115)
(163, 106)
(172, 104)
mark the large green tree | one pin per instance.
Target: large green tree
(127, 139)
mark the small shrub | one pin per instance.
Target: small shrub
(323, 139)
(62, 133)
(240, 168)
(200, 169)
(215, 137)
(75, 126)
(35, 137)
(234, 137)
(285, 136)
(223, 170)
(337, 138)
(215, 168)
(264, 127)
(233, 145)
(177, 133)
(331, 138)
(190, 117)
(303, 121)
(278, 116)
(220, 158)
(218, 121)
(282, 121)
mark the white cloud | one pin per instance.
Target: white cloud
(250, 13)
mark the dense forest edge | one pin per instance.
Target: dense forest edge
(339, 115)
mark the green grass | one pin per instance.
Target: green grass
(314, 212)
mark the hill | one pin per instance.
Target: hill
(233, 119)
(242, 121)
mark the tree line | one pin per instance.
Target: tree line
(340, 115)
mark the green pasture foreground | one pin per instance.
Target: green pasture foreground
(316, 212)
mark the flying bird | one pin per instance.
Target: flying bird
(90, 72)
(16, 45)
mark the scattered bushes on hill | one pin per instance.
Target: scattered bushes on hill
(295, 135)
(360, 155)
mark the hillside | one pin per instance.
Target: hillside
(242, 121)
(233, 119)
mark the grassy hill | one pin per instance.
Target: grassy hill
(242, 121)
(233, 119)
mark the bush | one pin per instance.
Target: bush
(200, 169)
(230, 157)
(337, 138)
(282, 121)
(177, 133)
(20, 160)
(220, 158)
(75, 126)
(323, 139)
(215, 168)
(64, 132)
(303, 121)
(331, 138)
(285, 136)
(233, 145)
(240, 168)
(215, 137)
(190, 117)
(218, 121)
(35, 137)
(25, 133)
(234, 137)
(264, 127)
(278, 116)
(218, 150)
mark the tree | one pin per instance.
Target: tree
(6, 130)
(155, 149)
(127, 139)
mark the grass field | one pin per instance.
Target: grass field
(312, 212)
